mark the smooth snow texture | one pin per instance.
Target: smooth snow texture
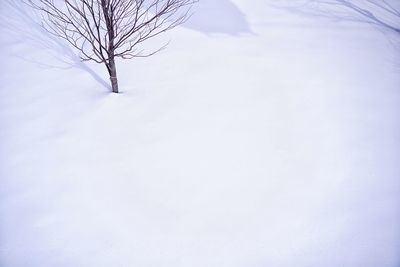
(272, 145)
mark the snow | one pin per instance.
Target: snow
(270, 139)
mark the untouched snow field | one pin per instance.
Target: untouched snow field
(258, 138)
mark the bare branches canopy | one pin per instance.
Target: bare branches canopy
(102, 30)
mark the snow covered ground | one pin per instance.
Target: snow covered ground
(258, 138)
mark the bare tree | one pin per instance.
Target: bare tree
(103, 30)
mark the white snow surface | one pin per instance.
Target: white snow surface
(271, 140)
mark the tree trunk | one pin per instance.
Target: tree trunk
(108, 13)
(113, 76)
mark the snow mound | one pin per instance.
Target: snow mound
(278, 148)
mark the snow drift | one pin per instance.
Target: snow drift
(272, 141)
